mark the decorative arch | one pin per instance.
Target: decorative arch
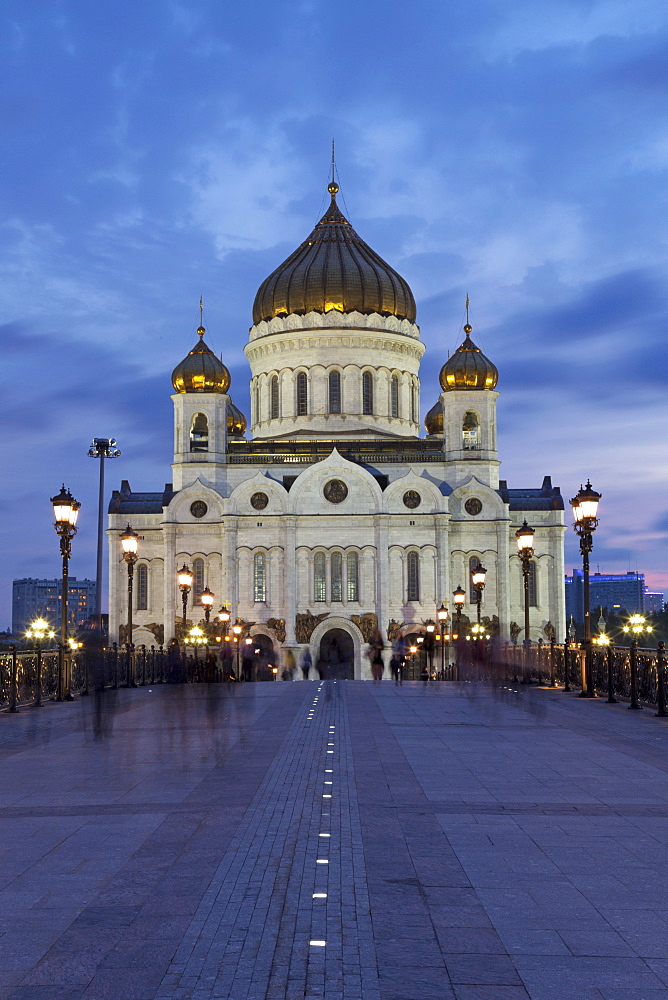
(199, 432)
(470, 431)
(361, 670)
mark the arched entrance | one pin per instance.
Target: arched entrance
(337, 654)
(416, 662)
(264, 657)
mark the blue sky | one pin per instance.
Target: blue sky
(156, 151)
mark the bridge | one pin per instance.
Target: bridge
(339, 840)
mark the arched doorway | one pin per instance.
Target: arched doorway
(264, 657)
(337, 654)
(416, 662)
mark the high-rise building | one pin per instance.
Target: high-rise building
(653, 602)
(335, 518)
(613, 592)
(42, 599)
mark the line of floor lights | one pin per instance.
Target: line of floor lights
(326, 836)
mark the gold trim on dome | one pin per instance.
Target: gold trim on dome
(334, 270)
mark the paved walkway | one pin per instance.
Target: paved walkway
(343, 841)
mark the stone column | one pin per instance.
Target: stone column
(289, 576)
(503, 569)
(381, 537)
(169, 584)
(229, 564)
(443, 587)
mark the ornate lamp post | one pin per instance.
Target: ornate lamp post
(195, 638)
(585, 508)
(478, 575)
(524, 536)
(39, 631)
(101, 448)
(185, 578)
(207, 598)
(442, 615)
(430, 629)
(224, 617)
(65, 511)
(129, 544)
(237, 629)
(458, 599)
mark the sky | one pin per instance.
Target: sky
(159, 151)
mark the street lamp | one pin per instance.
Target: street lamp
(458, 599)
(478, 574)
(585, 507)
(129, 544)
(65, 511)
(442, 615)
(195, 638)
(101, 448)
(430, 629)
(237, 629)
(207, 598)
(636, 625)
(185, 579)
(524, 536)
(38, 631)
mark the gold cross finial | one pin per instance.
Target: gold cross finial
(467, 309)
(201, 331)
(333, 162)
(333, 187)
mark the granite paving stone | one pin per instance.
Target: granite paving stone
(482, 846)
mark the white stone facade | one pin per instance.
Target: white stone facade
(297, 553)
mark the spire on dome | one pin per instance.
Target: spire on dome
(468, 368)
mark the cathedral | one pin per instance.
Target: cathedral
(331, 517)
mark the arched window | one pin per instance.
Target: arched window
(259, 577)
(198, 580)
(533, 588)
(413, 576)
(367, 392)
(335, 392)
(141, 587)
(302, 394)
(336, 576)
(352, 576)
(394, 396)
(470, 431)
(274, 407)
(319, 586)
(414, 407)
(473, 593)
(257, 403)
(199, 433)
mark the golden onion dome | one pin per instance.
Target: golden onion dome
(334, 269)
(236, 422)
(201, 370)
(433, 422)
(468, 368)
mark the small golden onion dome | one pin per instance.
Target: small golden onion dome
(236, 422)
(433, 422)
(334, 269)
(200, 370)
(468, 368)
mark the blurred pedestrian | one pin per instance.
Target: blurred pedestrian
(289, 665)
(376, 656)
(306, 663)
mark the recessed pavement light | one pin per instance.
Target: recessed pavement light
(327, 796)
(317, 944)
(330, 744)
(322, 861)
(329, 751)
(320, 895)
(328, 770)
(324, 835)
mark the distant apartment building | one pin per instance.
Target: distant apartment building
(653, 601)
(42, 599)
(613, 591)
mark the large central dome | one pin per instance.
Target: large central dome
(334, 269)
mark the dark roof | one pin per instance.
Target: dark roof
(548, 497)
(124, 501)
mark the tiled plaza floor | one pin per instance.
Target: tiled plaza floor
(343, 841)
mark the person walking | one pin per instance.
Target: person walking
(376, 657)
(306, 663)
